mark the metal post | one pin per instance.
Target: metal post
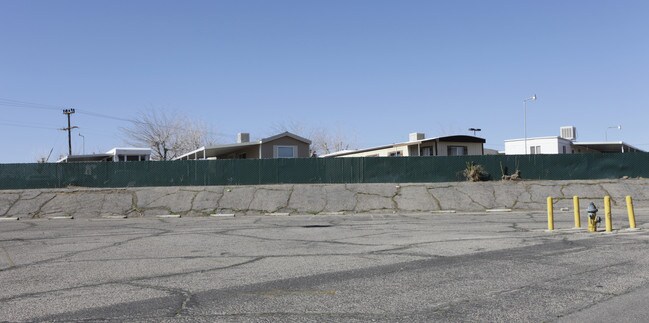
(550, 214)
(84, 143)
(532, 98)
(525, 124)
(629, 209)
(575, 204)
(607, 213)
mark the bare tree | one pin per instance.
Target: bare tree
(323, 141)
(168, 135)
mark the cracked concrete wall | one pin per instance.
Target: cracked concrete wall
(316, 199)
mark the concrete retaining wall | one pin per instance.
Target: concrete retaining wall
(316, 199)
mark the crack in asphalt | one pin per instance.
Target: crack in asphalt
(130, 280)
(185, 300)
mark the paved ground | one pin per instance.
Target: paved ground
(442, 267)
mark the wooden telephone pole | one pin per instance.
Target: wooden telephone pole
(68, 112)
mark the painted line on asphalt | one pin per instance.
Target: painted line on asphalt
(173, 216)
(222, 215)
(114, 216)
(331, 213)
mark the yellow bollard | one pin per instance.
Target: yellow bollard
(629, 209)
(607, 213)
(550, 214)
(575, 204)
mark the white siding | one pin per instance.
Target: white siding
(548, 145)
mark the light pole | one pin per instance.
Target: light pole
(84, 143)
(474, 130)
(532, 98)
(606, 132)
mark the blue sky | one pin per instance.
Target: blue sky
(370, 69)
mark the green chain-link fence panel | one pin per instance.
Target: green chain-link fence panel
(318, 170)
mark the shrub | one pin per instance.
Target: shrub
(475, 173)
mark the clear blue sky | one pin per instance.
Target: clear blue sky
(374, 70)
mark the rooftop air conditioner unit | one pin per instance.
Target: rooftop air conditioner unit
(416, 136)
(569, 133)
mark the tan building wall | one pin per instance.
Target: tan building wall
(250, 153)
(268, 148)
(473, 148)
(381, 152)
(439, 149)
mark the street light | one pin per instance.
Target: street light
(474, 130)
(612, 127)
(532, 98)
(84, 143)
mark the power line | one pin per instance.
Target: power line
(25, 126)
(99, 115)
(24, 104)
(32, 105)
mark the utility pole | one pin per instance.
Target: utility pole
(68, 112)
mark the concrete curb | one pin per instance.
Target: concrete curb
(321, 199)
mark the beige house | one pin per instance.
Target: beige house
(283, 145)
(419, 145)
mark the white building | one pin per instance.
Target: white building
(113, 155)
(564, 144)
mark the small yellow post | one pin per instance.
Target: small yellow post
(575, 204)
(629, 209)
(550, 214)
(607, 213)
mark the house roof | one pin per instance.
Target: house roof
(218, 150)
(455, 138)
(608, 146)
(85, 158)
(129, 150)
(285, 134)
(538, 138)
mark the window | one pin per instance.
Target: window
(285, 152)
(426, 151)
(243, 156)
(564, 149)
(535, 150)
(458, 151)
(395, 154)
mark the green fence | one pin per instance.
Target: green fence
(318, 170)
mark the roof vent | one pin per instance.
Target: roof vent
(416, 136)
(243, 137)
(569, 132)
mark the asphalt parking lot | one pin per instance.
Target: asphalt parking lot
(382, 267)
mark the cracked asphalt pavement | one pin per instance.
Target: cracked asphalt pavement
(380, 267)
